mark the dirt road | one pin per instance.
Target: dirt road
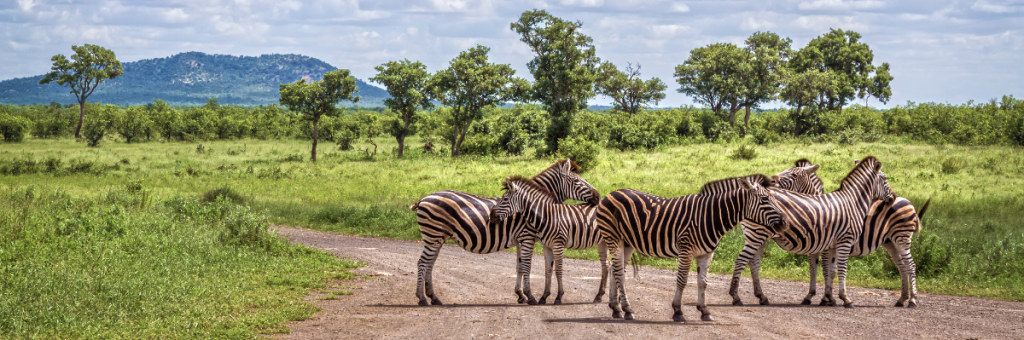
(480, 303)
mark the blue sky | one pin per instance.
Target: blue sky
(940, 51)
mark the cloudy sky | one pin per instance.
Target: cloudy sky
(940, 51)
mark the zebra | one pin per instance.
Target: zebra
(821, 224)
(888, 225)
(452, 214)
(682, 227)
(558, 226)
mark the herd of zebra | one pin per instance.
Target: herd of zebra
(790, 208)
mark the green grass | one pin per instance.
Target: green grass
(971, 243)
(129, 264)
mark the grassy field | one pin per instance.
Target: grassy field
(971, 243)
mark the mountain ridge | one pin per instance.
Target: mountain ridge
(191, 78)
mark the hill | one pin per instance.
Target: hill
(191, 78)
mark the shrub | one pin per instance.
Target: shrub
(932, 255)
(53, 164)
(14, 128)
(222, 193)
(952, 165)
(94, 130)
(479, 144)
(746, 152)
(243, 227)
(583, 152)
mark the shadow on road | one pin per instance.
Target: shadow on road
(639, 322)
(793, 305)
(482, 305)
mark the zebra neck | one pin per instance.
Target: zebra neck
(726, 211)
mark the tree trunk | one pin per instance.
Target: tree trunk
(401, 145)
(458, 143)
(401, 137)
(796, 123)
(81, 118)
(312, 157)
(746, 118)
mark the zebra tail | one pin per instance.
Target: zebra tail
(635, 262)
(415, 206)
(920, 214)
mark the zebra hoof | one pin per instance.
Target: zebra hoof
(616, 315)
(899, 304)
(765, 302)
(823, 302)
(436, 302)
(542, 302)
(597, 299)
(629, 316)
(532, 302)
(806, 302)
(424, 303)
(706, 317)
(737, 303)
(848, 305)
(558, 302)
(678, 318)
(911, 305)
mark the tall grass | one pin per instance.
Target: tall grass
(970, 232)
(127, 264)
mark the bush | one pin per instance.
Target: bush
(642, 130)
(953, 165)
(222, 193)
(583, 152)
(479, 144)
(746, 152)
(95, 128)
(931, 254)
(14, 128)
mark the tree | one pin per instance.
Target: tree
(319, 98)
(129, 123)
(714, 75)
(629, 92)
(841, 53)
(90, 66)
(808, 91)
(406, 83)
(767, 55)
(564, 69)
(166, 120)
(468, 85)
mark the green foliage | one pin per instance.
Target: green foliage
(91, 65)
(319, 98)
(469, 85)
(953, 165)
(407, 84)
(97, 126)
(644, 130)
(564, 69)
(13, 128)
(627, 90)
(713, 76)
(582, 152)
(847, 61)
(131, 123)
(745, 152)
(223, 193)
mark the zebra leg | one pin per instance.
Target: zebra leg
(681, 276)
(613, 281)
(813, 260)
(755, 275)
(602, 252)
(752, 242)
(841, 260)
(703, 263)
(549, 264)
(903, 247)
(829, 266)
(523, 275)
(425, 281)
(558, 251)
(627, 253)
(898, 261)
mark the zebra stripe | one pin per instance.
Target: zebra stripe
(465, 217)
(558, 226)
(683, 227)
(820, 224)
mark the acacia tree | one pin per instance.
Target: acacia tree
(564, 69)
(714, 75)
(470, 84)
(767, 55)
(849, 60)
(406, 83)
(88, 68)
(808, 93)
(319, 98)
(629, 92)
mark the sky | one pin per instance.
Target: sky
(939, 51)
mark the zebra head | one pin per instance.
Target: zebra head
(762, 208)
(519, 191)
(878, 181)
(801, 178)
(564, 181)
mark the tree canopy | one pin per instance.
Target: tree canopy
(87, 69)
(319, 98)
(627, 89)
(849, 60)
(564, 68)
(715, 76)
(406, 82)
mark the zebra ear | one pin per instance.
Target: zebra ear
(812, 169)
(746, 184)
(855, 162)
(878, 166)
(568, 165)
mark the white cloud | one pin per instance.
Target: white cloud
(26, 5)
(583, 3)
(822, 23)
(680, 7)
(175, 15)
(985, 6)
(752, 24)
(840, 4)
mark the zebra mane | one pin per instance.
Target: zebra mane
(528, 182)
(572, 166)
(803, 162)
(734, 182)
(867, 165)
